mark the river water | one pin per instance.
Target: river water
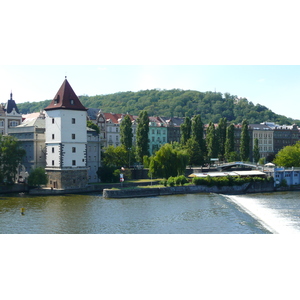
(180, 214)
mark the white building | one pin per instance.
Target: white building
(66, 140)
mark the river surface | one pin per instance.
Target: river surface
(180, 214)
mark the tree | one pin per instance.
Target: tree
(197, 133)
(142, 140)
(289, 156)
(126, 132)
(11, 155)
(115, 156)
(196, 157)
(256, 154)
(37, 177)
(245, 141)
(168, 161)
(211, 141)
(186, 130)
(221, 137)
(92, 125)
(229, 143)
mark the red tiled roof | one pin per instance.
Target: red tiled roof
(65, 99)
(115, 117)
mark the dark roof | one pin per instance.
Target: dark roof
(93, 113)
(10, 105)
(65, 99)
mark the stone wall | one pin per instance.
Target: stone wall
(67, 178)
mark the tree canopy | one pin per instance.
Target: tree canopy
(168, 161)
(11, 155)
(169, 103)
(37, 177)
(142, 140)
(289, 156)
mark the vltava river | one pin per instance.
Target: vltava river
(181, 214)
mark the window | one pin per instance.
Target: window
(52, 149)
(52, 162)
(52, 120)
(71, 101)
(73, 162)
(73, 149)
(53, 136)
(73, 136)
(73, 121)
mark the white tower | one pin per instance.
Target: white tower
(66, 140)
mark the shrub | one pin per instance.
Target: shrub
(37, 177)
(164, 182)
(199, 181)
(182, 180)
(171, 181)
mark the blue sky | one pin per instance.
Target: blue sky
(274, 86)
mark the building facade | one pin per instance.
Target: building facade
(66, 140)
(31, 135)
(9, 115)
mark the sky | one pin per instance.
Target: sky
(274, 86)
(113, 46)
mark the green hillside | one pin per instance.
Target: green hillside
(210, 105)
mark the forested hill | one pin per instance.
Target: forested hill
(210, 105)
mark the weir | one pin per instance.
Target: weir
(270, 218)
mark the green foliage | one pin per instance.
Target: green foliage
(126, 132)
(11, 155)
(107, 174)
(221, 137)
(196, 157)
(262, 160)
(211, 141)
(171, 181)
(142, 141)
(37, 177)
(289, 156)
(256, 155)
(164, 182)
(229, 144)
(226, 180)
(115, 156)
(169, 103)
(92, 125)
(146, 161)
(198, 133)
(186, 130)
(167, 162)
(181, 180)
(245, 141)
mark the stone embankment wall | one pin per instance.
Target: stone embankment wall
(192, 189)
(16, 188)
(89, 189)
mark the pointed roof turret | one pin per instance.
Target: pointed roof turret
(65, 99)
(10, 105)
